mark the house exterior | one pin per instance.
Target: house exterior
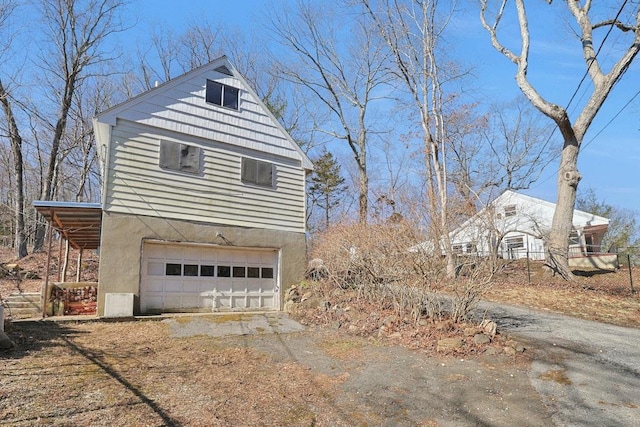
(203, 199)
(515, 225)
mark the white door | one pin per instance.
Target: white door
(183, 277)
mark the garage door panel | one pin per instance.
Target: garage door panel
(187, 277)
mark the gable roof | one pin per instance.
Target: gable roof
(580, 218)
(532, 215)
(178, 105)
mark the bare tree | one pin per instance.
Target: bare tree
(15, 141)
(572, 131)
(343, 79)
(16, 149)
(519, 146)
(78, 30)
(413, 32)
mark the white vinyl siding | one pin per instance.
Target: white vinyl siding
(182, 108)
(137, 185)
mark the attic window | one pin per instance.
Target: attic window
(179, 157)
(257, 172)
(223, 95)
(510, 210)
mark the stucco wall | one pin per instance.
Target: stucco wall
(123, 237)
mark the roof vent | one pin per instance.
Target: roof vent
(224, 70)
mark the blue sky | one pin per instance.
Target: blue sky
(610, 155)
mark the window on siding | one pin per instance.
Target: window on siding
(257, 172)
(179, 157)
(223, 95)
(514, 242)
(510, 210)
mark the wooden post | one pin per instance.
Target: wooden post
(630, 275)
(60, 259)
(528, 268)
(45, 288)
(65, 265)
(79, 266)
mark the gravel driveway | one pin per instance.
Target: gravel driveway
(587, 373)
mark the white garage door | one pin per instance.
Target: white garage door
(202, 278)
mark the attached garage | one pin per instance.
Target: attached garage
(199, 277)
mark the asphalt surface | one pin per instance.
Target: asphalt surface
(588, 373)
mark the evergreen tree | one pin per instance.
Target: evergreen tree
(327, 185)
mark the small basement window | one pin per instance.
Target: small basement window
(257, 172)
(179, 157)
(223, 95)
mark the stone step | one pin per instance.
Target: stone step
(22, 306)
(29, 296)
(22, 313)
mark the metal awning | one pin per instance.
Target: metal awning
(79, 223)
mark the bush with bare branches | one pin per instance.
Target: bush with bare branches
(384, 265)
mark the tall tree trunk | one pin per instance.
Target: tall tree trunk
(568, 179)
(16, 148)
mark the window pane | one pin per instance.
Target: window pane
(189, 158)
(169, 156)
(224, 271)
(267, 273)
(238, 272)
(207, 270)
(173, 269)
(253, 272)
(214, 92)
(510, 210)
(190, 269)
(265, 171)
(230, 97)
(249, 169)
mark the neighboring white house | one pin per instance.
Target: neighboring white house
(515, 226)
(203, 201)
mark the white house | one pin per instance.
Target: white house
(515, 225)
(203, 198)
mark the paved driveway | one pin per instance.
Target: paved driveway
(587, 373)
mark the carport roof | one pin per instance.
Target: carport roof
(78, 222)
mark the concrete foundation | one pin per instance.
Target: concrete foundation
(123, 237)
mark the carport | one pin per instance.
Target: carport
(78, 224)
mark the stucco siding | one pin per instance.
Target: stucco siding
(123, 237)
(137, 184)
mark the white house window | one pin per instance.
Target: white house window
(179, 157)
(514, 242)
(257, 172)
(510, 210)
(223, 95)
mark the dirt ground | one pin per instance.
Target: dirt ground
(341, 370)
(147, 373)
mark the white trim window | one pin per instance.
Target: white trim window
(257, 172)
(180, 157)
(510, 210)
(514, 242)
(223, 95)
